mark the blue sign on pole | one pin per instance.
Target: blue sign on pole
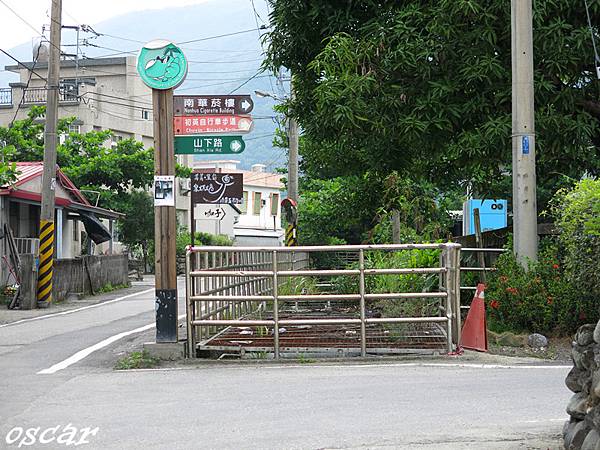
(525, 145)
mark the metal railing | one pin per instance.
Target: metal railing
(482, 266)
(27, 246)
(6, 96)
(39, 95)
(224, 285)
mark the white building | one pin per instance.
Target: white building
(258, 220)
(103, 94)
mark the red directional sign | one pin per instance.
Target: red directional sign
(211, 124)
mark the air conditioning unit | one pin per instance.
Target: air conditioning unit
(185, 186)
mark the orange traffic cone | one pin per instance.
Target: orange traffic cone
(474, 331)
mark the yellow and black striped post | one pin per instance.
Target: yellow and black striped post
(291, 238)
(44, 286)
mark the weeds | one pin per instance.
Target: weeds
(137, 360)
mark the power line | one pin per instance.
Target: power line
(119, 52)
(120, 98)
(26, 87)
(20, 17)
(218, 36)
(22, 64)
(246, 82)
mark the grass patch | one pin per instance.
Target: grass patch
(137, 360)
(109, 288)
(304, 360)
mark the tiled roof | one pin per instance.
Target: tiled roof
(29, 170)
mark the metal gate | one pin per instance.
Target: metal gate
(287, 300)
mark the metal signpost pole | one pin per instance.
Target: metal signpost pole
(46, 252)
(523, 134)
(162, 67)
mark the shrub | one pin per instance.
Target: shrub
(184, 239)
(541, 299)
(562, 290)
(577, 215)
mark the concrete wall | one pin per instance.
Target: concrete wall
(71, 275)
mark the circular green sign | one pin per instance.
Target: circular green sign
(162, 65)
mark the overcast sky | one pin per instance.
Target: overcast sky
(37, 13)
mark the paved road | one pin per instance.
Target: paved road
(218, 405)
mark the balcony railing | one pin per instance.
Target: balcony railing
(6, 96)
(39, 95)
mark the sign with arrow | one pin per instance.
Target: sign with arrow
(183, 126)
(217, 188)
(209, 145)
(195, 105)
(218, 213)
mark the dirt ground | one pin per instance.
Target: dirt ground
(558, 350)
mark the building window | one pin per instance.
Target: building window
(145, 114)
(256, 203)
(244, 205)
(76, 230)
(115, 140)
(74, 128)
(274, 204)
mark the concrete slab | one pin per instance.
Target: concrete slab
(165, 350)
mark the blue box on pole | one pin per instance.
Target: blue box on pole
(493, 215)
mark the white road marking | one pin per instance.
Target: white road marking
(88, 351)
(71, 311)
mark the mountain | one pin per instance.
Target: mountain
(217, 64)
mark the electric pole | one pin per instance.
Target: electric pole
(523, 133)
(293, 153)
(46, 252)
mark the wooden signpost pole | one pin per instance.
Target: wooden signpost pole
(165, 221)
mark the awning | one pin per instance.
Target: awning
(94, 228)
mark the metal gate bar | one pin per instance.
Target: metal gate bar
(228, 283)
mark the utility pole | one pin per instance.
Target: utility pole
(523, 133)
(293, 153)
(46, 252)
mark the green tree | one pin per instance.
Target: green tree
(8, 170)
(137, 228)
(117, 175)
(424, 88)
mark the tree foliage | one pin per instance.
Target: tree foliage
(424, 88)
(115, 176)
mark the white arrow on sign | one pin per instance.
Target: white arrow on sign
(235, 146)
(246, 105)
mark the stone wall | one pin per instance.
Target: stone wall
(582, 431)
(88, 274)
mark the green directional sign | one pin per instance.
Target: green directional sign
(209, 145)
(162, 65)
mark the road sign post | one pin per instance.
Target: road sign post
(162, 66)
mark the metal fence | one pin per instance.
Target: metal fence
(479, 261)
(230, 286)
